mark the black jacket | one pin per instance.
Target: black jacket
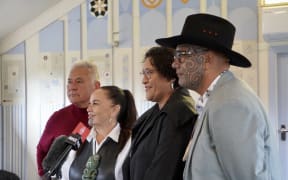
(159, 140)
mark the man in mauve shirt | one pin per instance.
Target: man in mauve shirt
(83, 79)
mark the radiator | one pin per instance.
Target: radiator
(13, 138)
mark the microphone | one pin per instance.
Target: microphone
(61, 147)
(54, 152)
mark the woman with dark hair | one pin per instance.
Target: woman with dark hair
(112, 114)
(161, 134)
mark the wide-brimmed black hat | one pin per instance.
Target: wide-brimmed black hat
(208, 31)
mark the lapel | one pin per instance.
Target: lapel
(196, 133)
(144, 126)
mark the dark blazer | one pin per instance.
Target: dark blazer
(159, 140)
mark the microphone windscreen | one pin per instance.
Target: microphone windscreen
(55, 150)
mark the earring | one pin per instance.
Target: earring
(172, 83)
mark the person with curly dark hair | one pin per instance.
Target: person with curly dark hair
(162, 133)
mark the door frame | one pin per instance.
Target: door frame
(274, 52)
(273, 85)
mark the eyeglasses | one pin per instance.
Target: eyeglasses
(147, 72)
(180, 55)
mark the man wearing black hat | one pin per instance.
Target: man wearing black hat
(233, 138)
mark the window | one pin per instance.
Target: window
(274, 2)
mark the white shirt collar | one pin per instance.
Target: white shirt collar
(114, 133)
(202, 100)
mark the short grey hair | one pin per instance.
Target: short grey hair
(92, 67)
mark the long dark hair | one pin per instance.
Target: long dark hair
(128, 113)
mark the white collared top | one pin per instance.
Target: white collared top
(202, 100)
(114, 135)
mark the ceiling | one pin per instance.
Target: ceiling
(16, 13)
